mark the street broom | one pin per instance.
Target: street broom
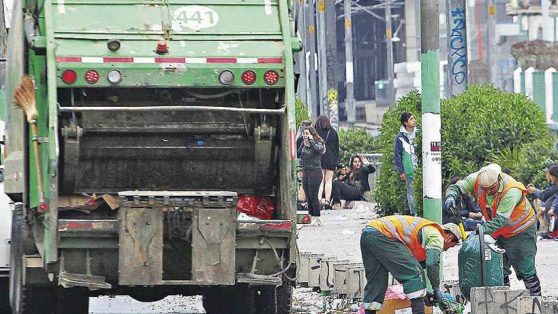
(24, 98)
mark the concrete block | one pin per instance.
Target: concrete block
(550, 307)
(304, 259)
(340, 278)
(530, 305)
(491, 300)
(356, 280)
(327, 273)
(314, 270)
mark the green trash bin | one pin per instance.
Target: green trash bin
(476, 269)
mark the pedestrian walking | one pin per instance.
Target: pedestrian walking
(398, 245)
(510, 220)
(330, 158)
(405, 157)
(311, 152)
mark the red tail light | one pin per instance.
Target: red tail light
(91, 76)
(69, 76)
(248, 77)
(43, 207)
(271, 77)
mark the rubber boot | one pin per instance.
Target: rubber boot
(417, 305)
(533, 284)
(507, 280)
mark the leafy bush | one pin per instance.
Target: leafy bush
(482, 125)
(355, 141)
(301, 112)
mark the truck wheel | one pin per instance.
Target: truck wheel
(266, 301)
(24, 298)
(4, 295)
(284, 296)
(234, 300)
(73, 300)
(272, 300)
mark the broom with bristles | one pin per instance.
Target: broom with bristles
(24, 98)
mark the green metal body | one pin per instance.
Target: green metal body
(200, 146)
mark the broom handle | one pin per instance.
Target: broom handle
(35, 134)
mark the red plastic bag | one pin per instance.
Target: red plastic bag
(256, 206)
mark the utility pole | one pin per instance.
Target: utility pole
(331, 56)
(322, 57)
(349, 98)
(311, 42)
(457, 47)
(302, 88)
(389, 45)
(431, 136)
(491, 42)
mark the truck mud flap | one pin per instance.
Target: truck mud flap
(213, 251)
(140, 246)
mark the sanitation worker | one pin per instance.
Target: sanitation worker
(510, 220)
(399, 245)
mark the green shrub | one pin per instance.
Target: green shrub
(301, 112)
(355, 141)
(482, 125)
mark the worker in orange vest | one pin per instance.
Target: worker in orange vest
(398, 245)
(510, 220)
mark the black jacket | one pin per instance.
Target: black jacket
(311, 156)
(360, 180)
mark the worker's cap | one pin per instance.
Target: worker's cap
(454, 229)
(488, 175)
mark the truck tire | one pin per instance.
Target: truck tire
(284, 296)
(73, 300)
(25, 298)
(274, 300)
(4, 295)
(238, 299)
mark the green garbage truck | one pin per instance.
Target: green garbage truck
(153, 120)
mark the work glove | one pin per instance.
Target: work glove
(434, 298)
(449, 202)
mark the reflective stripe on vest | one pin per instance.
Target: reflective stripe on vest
(405, 229)
(523, 215)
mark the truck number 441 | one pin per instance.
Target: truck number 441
(195, 17)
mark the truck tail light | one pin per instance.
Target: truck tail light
(91, 76)
(69, 76)
(226, 77)
(114, 77)
(43, 207)
(271, 77)
(248, 77)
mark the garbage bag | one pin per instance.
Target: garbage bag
(256, 206)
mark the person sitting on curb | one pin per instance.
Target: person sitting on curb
(398, 245)
(356, 185)
(546, 196)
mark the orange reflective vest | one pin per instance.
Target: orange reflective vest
(405, 229)
(523, 215)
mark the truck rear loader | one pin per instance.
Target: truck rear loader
(153, 118)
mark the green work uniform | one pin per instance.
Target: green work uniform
(521, 248)
(382, 255)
